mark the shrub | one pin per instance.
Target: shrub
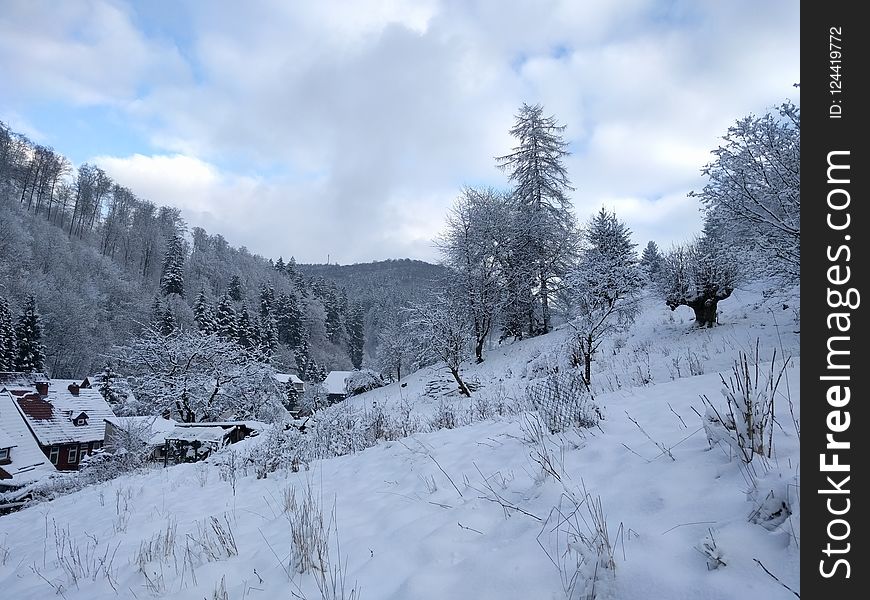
(564, 400)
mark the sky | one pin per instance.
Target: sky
(343, 131)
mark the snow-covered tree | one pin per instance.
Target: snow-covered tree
(108, 386)
(7, 337)
(603, 288)
(288, 319)
(225, 320)
(394, 353)
(197, 377)
(246, 336)
(234, 290)
(202, 313)
(753, 192)
(445, 333)
(30, 351)
(267, 338)
(473, 244)
(334, 326)
(355, 334)
(172, 277)
(545, 238)
(267, 300)
(698, 275)
(651, 260)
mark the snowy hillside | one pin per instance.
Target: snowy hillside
(638, 507)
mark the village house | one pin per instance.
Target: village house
(335, 386)
(21, 459)
(290, 379)
(192, 442)
(66, 419)
(145, 433)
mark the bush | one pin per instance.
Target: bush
(362, 381)
(564, 400)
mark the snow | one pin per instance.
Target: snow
(198, 434)
(154, 428)
(27, 461)
(468, 512)
(59, 426)
(335, 382)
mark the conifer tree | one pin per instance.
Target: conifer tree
(651, 260)
(30, 352)
(267, 300)
(234, 290)
(108, 386)
(279, 265)
(333, 317)
(7, 337)
(245, 329)
(202, 313)
(225, 322)
(545, 239)
(288, 319)
(172, 278)
(356, 334)
(268, 338)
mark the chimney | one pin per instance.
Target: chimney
(42, 388)
(73, 389)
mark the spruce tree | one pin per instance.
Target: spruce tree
(167, 324)
(7, 337)
(333, 317)
(651, 260)
(108, 388)
(245, 334)
(268, 338)
(225, 321)
(288, 319)
(203, 314)
(172, 278)
(267, 300)
(356, 334)
(235, 288)
(279, 265)
(30, 352)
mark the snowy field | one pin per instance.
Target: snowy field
(638, 507)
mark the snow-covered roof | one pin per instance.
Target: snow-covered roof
(152, 430)
(27, 461)
(52, 418)
(17, 381)
(198, 434)
(334, 382)
(287, 378)
(249, 424)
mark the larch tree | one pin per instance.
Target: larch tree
(603, 289)
(7, 337)
(545, 238)
(30, 351)
(172, 276)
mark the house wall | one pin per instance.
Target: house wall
(63, 463)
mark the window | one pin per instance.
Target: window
(4, 453)
(81, 421)
(73, 455)
(54, 454)
(96, 445)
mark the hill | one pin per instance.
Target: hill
(467, 498)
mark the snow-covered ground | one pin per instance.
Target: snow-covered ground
(468, 512)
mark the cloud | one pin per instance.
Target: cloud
(354, 125)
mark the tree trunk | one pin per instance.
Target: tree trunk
(587, 367)
(545, 303)
(705, 312)
(463, 389)
(478, 350)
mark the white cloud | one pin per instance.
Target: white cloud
(374, 113)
